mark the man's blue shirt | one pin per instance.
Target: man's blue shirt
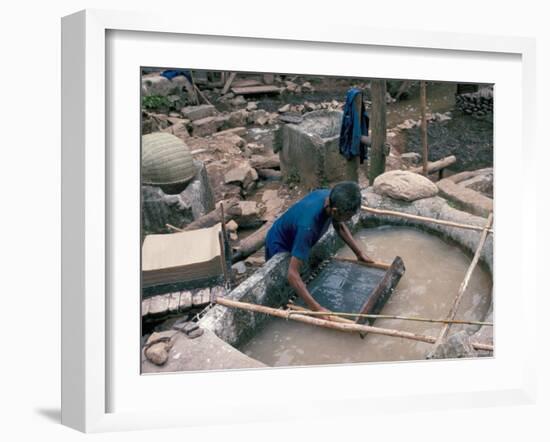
(300, 227)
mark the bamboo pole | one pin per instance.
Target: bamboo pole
(465, 282)
(305, 311)
(335, 318)
(333, 325)
(424, 218)
(170, 226)
(424, 128)
(375, 265)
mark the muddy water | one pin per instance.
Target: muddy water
(434, 272)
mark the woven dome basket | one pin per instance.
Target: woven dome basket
(166, 160)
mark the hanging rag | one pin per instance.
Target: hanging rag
(171, 73)
(354, 125)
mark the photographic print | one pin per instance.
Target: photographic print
(305, 220)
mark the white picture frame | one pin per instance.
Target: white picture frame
(89, 173)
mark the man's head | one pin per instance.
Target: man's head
(344, 200)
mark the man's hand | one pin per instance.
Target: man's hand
(361, 256)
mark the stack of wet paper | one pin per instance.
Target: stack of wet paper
(181, 257)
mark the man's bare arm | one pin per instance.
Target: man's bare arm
(295, 281)
(347, 237)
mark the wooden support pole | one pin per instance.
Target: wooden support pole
(424, 219)
(465, 282)
(228, 82)
(378, 130)
(333, 325)
(424, 128)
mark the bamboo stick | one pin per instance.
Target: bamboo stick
(424, 218)
(376, 265)
(305, 311)
(336, 318)
(465, 282)
(170, 226)
(334, 325)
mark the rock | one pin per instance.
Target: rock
(291, 118)
(307, 87)
(239, 267)
(243, 175)
(206, 126)
(404, 185)
(284, 108)
(273, 204)
(179, 129)
(456, 346)
(231, 226)
(238, 101)
(250, 214)
(291, 86)
(198, 112)
(255, 261)
(259, 117)
(186, 300)
(233, 236)
(199, 194)
(270, 175)
(256, 148)
(157, 353)
(251, 105)
(195, 333)
(298, 90)
(310, 106)
(185, 326)
(238, 118)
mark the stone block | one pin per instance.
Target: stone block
(198, 112)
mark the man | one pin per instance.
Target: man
(301, 226)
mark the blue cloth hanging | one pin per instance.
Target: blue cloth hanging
(172, 73)
(354, 125)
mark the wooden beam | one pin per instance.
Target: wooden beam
(267, 89)
(435, 166)
(377, 163)
(228, 82)
(424, 127)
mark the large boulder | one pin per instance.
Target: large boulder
(404, 185)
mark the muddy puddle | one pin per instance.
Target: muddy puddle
(434, 272)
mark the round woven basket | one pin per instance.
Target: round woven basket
(166, 161)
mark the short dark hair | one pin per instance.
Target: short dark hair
(346, 197)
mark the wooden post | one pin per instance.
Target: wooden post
(378, 130)
(424, 128)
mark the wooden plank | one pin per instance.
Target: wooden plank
(383, 289)
(256, 90)
(377, 161)
(436, 166)
(228, 82)
(247, 82)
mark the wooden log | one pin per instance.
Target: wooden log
(424, 219)
(378, 129)
(332, 324)
(250, 90)
(213, 217)
(424, 128)
(228, 82)
(265, 162)
(465, 282)
(252, 244)
(436, 166)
